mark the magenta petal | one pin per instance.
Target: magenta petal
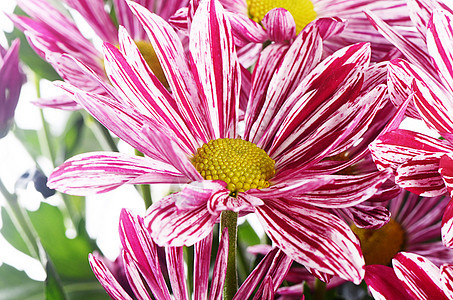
(280, 25)
(176, 274)
(383, 283)
(176, 227)
(245, 30)
(139, 247)
(446, 277)
(329, 27)
(420, 175)
(439, 39)
(104, 171)
(220, 267)
(447, 226)
(371, 217)
(266, 290)
(172, 153)
(419, 276)
(198, 193)
(202, 259)
(436, 112)
(217, 67)
(171, 55)
(399, 146)
(105, 277)
(275, 265)
(313, 237)
(134, 278)
(346, 190)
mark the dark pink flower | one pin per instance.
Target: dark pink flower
(11, 80)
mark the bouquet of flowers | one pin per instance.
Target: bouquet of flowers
(263, 149)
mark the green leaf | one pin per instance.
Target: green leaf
(42, 68)
(70, 256)
(15, 284)
(54, 289)
(11, 234)
(30, 140)
(247, 235)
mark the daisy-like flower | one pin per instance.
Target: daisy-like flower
(53, 34)
(11, 78)
(256, 21)
(300, 112)
(421, 163)
(414, 227)
(412, 277)
(144, 272)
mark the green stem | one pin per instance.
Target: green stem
(188, 256)
(22, 224)
(145, 188)
(320, 290)
(229, 219)
(101, 133)
(45, 140)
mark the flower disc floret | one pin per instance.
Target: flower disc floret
(241, 164)
(379, 246)
(302, 11)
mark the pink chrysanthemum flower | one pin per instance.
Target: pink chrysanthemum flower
(52, 34)
(11, 80)
(301, 111)
(257, 21)
(414, 227)
(412, 277)
(144, 272)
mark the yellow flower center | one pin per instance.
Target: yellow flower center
(379, 246)
(241, 164)
(148, 53)
(302, 11)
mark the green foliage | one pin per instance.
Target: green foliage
(30, 140)
(15, 284)
(70, 256)
(54, 290)
(11, 234)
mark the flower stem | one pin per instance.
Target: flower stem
(101, 133)
(22, 224)
(145, 188)
(229, 219)
(320, 289)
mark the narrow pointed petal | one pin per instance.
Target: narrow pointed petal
(420, 175)
(141, 89)
(436, 112)
(172, 153)
(139, 247)
(171, 55)
(383, 283)
(220, 268)
(420, 276)
(217, 67)
(177, 227)
(370, 217)
(411, 50)
(103, 171)
(245, 30)
(266, 290)
(202, 259)
(94, 13)
(313, 237)
(329, 27)
(447, 226)
(275, 264)
(300, 59)
(60, 102)
(399, 146)
(105, 277)
(134, 278)
(176, 273)
(313, 98)
(446, 277)
(439, 39)
(346, 190)
(280, 25)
